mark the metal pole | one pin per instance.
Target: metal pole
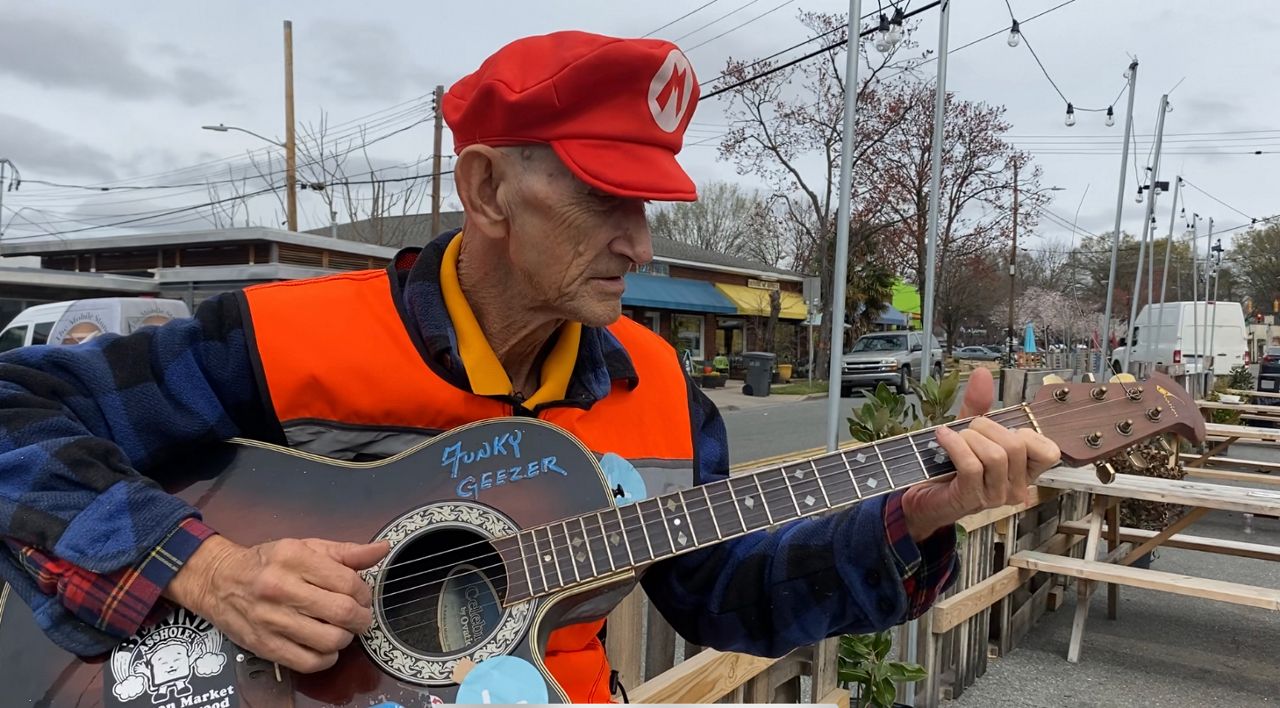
(1115, 236)
(1204, 340)
(840, 272)
(935, 189)
(435, 163)
(1146, 230)
(1010, 337)
(1213, 323)
(290, 146)
(1168, 248)
(1195, 292)
(1071, 275)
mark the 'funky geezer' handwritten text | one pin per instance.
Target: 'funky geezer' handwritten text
(459, 460)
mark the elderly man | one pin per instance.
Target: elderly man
(561, 140)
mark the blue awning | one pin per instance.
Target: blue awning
(674, 294)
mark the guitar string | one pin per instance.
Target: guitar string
(892, 446)
(842, 469)
(944, 464)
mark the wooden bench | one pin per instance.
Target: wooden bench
(1125, 545)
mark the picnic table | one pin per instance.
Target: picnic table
(1126, 545)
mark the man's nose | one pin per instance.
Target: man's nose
(636, 242)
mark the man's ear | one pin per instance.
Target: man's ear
(479, 174)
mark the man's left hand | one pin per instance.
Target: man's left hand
(993, 464)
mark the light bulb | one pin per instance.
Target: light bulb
(1071, 115)
(882, 42)
(1111, 117)
(895, 34)
(1138, 198)
(1015, 35)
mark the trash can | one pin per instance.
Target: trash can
(759, 372)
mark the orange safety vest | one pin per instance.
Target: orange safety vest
(346, 379)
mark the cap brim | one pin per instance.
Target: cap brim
(627, 169)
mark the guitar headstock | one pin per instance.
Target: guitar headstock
(1094, 421)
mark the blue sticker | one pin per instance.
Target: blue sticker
(503, 679)
(387, 704)
(621, 473)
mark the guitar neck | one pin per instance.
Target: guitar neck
(580, 549)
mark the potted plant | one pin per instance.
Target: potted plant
(784, 368)
(711, 378)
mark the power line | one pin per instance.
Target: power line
(687, 14)
(736, 10)
(766, 13)
(1045, 71)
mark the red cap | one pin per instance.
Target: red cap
(614, 110)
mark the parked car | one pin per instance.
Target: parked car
(891, 357)
(977, 353)
(1269, 370)
(1181, 332)
(78, 321)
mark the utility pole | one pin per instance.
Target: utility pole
(1013, 271)
(935, 190)
(290, 146)
(1168, 248)
(1146, 230)
(435, 162)
(840, 270)
(1115, 235)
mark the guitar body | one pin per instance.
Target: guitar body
(446, 597)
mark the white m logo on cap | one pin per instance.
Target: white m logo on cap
(670, 91)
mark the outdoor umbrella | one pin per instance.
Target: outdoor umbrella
(1029, 345)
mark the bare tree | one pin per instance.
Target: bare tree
(784, 122)
(720, 221)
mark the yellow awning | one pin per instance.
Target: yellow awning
(754, 301)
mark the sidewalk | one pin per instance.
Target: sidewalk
(731, 398)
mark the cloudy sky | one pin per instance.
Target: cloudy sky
(115, 93)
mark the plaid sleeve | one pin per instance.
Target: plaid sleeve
(926, 569)
(120, 602)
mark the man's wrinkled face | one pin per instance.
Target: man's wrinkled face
(571, 244)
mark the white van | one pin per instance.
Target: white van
(76, 321)
(1183, 334)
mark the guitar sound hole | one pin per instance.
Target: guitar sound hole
(443, 592)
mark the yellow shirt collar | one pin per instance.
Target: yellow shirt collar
(484, 371)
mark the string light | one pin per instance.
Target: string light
(882, 42)
(896, 33)
(1138, 198)
(1015, 35)
(1111, 117)
(1071, 115)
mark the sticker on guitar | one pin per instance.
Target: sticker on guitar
(177, 663)
(459, 460)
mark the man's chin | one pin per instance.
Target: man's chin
(600, 314)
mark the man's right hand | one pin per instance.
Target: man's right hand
(295, 602)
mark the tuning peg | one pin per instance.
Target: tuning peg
(1165, 445)
(1123, 378)
(1106, 473)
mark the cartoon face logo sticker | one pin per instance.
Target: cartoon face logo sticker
(164, 661)
(623, 479)
(503, 679)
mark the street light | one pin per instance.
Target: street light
(220, 128)
(291, 173)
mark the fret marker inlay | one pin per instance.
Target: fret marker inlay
(751, 503)
(614, 538)
(676, 521)
(871, 482)
(860, 458)
(799, 474)
(577, 541)
(809, 500)
(581, 556)
(546, 558)
(671, 505)
(682, 538)
(940, 457)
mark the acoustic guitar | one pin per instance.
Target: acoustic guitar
(500, 532)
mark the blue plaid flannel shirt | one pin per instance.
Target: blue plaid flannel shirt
(82, 427)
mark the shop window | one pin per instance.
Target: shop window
(688, 333)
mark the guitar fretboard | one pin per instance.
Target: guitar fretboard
(561, 555)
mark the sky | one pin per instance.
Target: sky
(116, 93)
